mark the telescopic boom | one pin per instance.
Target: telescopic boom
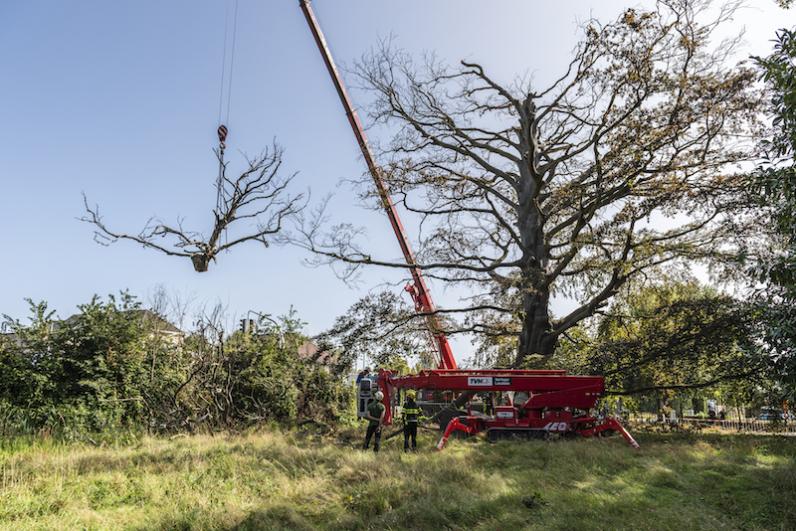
(418, 288)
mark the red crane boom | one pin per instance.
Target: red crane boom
(418, 288)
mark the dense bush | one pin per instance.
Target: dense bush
(673, 341)
(114, 366)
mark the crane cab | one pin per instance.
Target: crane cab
(366, 389)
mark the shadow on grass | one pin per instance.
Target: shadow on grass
(279, 517)
(675, 482)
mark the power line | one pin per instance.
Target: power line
(232, 57)
(223, 63)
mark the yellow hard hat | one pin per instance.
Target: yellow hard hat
(411, 393)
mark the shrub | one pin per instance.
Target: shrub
(108, 369)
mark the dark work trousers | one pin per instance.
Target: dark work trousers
(373, 429)
(410, 430)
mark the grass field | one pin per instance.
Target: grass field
(271, 480)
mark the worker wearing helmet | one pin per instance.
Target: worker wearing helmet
(375, 415)
(411, 416)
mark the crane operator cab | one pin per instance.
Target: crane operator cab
(366, 389)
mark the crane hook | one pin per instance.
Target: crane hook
(222, 136)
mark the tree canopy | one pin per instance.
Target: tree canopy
(776, 183)
(670, 336)
(628, 161)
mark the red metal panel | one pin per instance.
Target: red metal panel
(509, 372)
(501, 381)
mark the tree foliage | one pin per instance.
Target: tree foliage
(776, 183)
(671, 337)
(380, 329)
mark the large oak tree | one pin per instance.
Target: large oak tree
(627, 161)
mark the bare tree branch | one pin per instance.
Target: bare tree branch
(258, 194)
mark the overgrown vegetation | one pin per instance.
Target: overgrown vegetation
(671, 334)
(273, 480)
(114, 367)
(676, 339)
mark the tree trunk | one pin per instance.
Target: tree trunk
(536, 336)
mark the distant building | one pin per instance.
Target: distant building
(5, 331)
(310, 352)
(160, 327)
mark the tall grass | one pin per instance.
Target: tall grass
(274, 480)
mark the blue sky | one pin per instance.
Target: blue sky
(120, 100)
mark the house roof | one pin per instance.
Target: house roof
(309, 351)
(147, 316)
(161, 323)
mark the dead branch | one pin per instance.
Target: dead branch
(258, 195)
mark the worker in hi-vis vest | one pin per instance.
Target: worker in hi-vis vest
(411, 416)
(375, 415)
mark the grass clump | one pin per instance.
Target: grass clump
(277, 480)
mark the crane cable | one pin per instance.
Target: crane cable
(222, 130)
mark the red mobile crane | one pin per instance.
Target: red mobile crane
(557, 402)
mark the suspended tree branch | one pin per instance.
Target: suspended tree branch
(258, 198)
